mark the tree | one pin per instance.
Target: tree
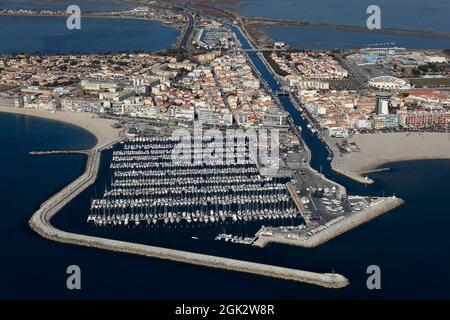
(416, 72)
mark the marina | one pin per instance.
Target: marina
(187, 278)
(235, 239)
(114, 196)
(148, 188)
(40, 222)
(166, 183)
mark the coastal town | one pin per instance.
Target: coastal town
(213, 76)
(220, 88)
(327, 92)
(338, 89)
(350, 97)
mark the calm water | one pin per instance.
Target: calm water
(331, 39)
(410, 244)
(404, 14)
(85, 5)
(49, 35)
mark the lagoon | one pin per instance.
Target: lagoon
(49, 35)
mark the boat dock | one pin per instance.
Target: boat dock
(149, 187)
(235, 239)
(41, 223)
(332, 230)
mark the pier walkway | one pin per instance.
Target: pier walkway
(51, 152)
(346, 224)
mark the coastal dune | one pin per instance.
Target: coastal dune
(381, 148)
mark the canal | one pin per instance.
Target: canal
(319, 151)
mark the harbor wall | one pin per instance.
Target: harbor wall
(321, 279)
(40, 222)
(354, 176)
(335, 230)
(351, 175)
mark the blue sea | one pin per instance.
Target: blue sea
(50, 35)
(410, 243)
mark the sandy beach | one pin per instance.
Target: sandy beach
(101, 128)
(382, 148)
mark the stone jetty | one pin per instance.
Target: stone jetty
(376, 209)
(41, 223)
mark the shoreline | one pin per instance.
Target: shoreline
(384, 205)
(40, 222)
(175, 45)
(101, 129)
(352, 175)
(378, 150)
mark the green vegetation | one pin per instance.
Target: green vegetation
(430, 82)
(6, 87)
(274, 65)
(429, 68)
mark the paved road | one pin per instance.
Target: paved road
(187, 32)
